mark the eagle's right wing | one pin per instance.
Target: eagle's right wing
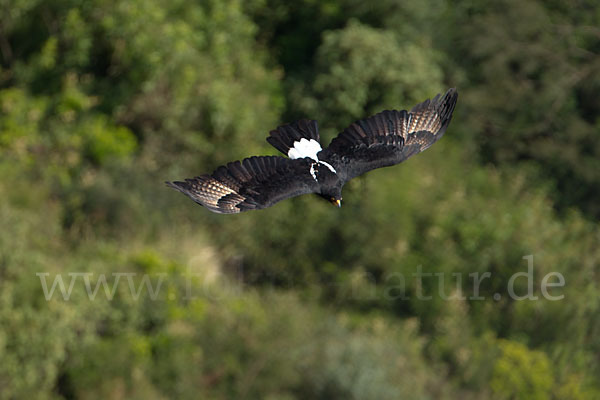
(390, 137)
(254, 183)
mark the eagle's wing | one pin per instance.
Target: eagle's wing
(389, 137)
(254, 183)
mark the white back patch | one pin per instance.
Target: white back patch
(313, 172)
(305, 148)
(328, 166)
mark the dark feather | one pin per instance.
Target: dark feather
(284, 137)
(254, 183)
(390, 137)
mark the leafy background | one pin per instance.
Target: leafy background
(101, 101)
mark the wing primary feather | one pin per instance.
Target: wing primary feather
(390, 137)
(253, 183)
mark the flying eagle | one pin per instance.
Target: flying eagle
(385, 139)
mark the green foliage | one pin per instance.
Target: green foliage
(21, 117)
(102, 142)
(103, 101)
(520, 373)
(530, 91)
(347, 83)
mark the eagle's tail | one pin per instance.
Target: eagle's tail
(289, 137)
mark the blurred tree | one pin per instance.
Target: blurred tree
(521, 374)
(360, 71)
(529, 91)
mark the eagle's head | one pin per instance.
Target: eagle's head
(331, 185)
(332, 193)
(333, 198)
(336, 202)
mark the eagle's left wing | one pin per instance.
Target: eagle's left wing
(390, 137)
(254, 183)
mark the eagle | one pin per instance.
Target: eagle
(382, 140)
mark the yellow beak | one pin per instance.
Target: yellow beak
(337, 203)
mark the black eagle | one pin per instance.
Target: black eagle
(385, 139)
